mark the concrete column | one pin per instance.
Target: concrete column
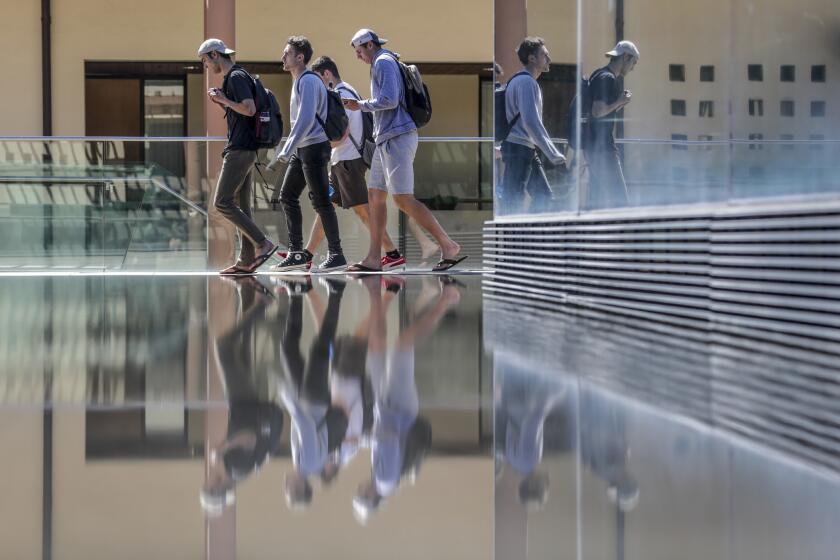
(219, 22)
(511, 26)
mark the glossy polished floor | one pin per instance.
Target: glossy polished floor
(399, 417)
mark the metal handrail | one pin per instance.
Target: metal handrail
(106, 180)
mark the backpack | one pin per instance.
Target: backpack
(268, 125)
(366, 144)
(336, 123)
(418, 102)
(580, 128)
(269, 122)
(502, 125)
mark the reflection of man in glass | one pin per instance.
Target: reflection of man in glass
(523, 403)
(604, 448)
(318, 427)
(400, 437)
(607, 188)
(255, 423)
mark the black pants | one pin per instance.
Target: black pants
(523, 173)
(311, 378)
(309, 166)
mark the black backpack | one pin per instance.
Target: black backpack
(580, 128)
(269, 122)
(418, 102)
(502, 125)
(366, 144)
(335, 126)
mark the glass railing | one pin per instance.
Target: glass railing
(131, 204)
(676, 172)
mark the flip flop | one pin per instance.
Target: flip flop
(359, 267)
(446, 264)
(236, 270)
(261, 258)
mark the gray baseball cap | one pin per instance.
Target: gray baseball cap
(363, 36)
(624, 47)
(211, 45)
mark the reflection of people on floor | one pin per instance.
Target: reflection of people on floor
(400, 438)
(523, 403)
(351, 390)
(255, 424)
(318, 427)
(604, 447)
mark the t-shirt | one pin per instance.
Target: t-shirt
(347, 150)
(603, 86)
(239, 86)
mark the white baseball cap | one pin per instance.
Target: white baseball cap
(624, 47)
(363, 36)
(211, 45)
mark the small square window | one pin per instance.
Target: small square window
(756, 107)
(707, 73)
(707, 109)
(817, 108)
(706, 138)
(756, 136)
(676, 72)
(786, 108)
(678, 107)
(817, 145)
(679, 138)
(818, 73)
(787, 73)
(755, 72)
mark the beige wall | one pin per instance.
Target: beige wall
(20, 28)
(100, 30)
(167, 30)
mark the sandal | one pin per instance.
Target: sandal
(359, 267)
(446, 264)
(237, 269)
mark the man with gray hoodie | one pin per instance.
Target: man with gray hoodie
(307, 151)
(392, 168)
(523, 106)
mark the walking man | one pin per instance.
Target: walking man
(607, 188)
(347, 168)
(307, 151)
(392, 169)
(233, 191)
(523, 109)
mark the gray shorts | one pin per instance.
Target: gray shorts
(392, 168)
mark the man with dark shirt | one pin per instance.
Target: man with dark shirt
(607, 188)
(233, 191)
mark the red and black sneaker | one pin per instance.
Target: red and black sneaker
(391, 263)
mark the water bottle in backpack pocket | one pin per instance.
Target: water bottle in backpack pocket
(268, 128)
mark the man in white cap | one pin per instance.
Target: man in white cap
(392, 168)
(607, 188)
(233, 191)
(527, 138)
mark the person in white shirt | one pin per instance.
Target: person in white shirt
(347, 173)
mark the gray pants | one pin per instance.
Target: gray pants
(233, 200)
(607, 188)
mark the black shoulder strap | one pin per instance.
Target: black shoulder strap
(522, 73)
